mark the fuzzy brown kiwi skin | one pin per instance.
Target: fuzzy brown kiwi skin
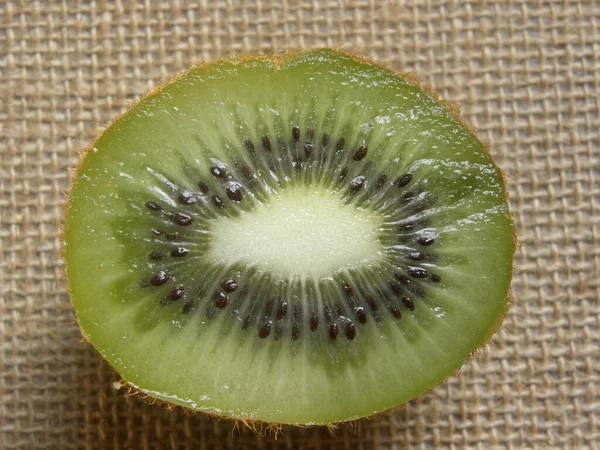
(280, 58)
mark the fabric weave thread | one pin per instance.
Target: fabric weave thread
(527, 75)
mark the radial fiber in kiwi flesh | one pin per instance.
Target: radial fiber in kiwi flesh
(305, 238)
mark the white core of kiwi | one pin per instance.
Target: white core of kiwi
(300, 233)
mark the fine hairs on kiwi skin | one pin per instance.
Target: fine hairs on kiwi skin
(302, 238)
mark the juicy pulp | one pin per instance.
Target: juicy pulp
(203, 119)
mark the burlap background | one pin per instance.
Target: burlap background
(528, 77)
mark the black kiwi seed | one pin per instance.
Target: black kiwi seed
(179, 252)
(229, 285)
(182, 219)
(361, 315)
(381, 181)
(396, 312)
(425, 240)
(340, 144)
(155, 256)
(357, 183)
(310, 133)
(372, 303)
(417, 256)
(314, 322)
(435, 277)
(176, 293)
(234, 192)
(217, 202)
(417, 272)
(295, 332)
(348, 290)
(296, 133)
(218, 172)
(325, 140)
(343, 174)
(333, 331)
(172, 236)
(408, 195)
(153, 206)
(408, 303)
(186, 198)
(282, 310)
(265, 330)
(350, 331)
(159, 279)
(247, 172)
(266, 143)
(360, 153)
(402, 278)
(249, 145)
(308, 148)
(203, 187)
(221, 299)
(403, 180)
(297, 163)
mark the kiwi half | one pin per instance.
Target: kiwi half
(303, 238)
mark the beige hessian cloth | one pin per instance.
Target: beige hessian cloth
(527, 75)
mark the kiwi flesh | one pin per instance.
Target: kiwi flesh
(302, 238)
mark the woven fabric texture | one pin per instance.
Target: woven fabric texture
(527, 75)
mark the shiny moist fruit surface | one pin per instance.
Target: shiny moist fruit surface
(304, 238)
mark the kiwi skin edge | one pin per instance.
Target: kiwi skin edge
(279, 58)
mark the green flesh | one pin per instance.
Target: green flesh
(189, 351)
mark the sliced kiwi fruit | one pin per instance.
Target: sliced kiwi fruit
(303, 238)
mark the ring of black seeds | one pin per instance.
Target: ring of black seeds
(401, 288)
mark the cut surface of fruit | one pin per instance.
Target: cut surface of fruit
(304, 238)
